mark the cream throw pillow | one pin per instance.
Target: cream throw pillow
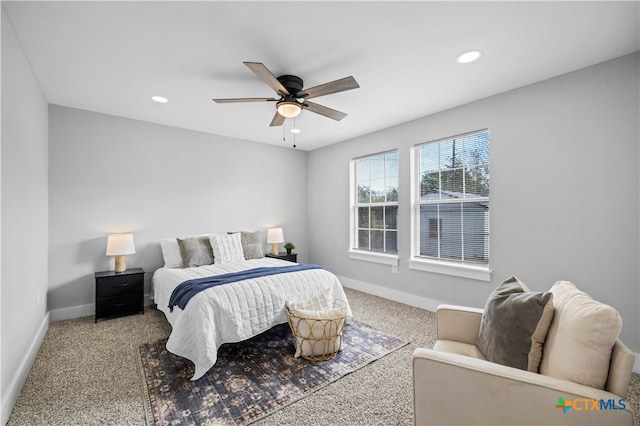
(227, 248)
(318, 333)
(581, 337)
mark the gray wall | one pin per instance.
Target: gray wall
(565, 191)
(24, 223)
(109, 174)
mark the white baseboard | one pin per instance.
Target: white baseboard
(413, 300)
(20, 377)
(72, 312)
(391, 294)
(83, 310)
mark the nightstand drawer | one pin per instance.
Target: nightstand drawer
(116, 305)
(115, 285)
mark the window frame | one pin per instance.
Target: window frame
(369, 255)
(418, 262)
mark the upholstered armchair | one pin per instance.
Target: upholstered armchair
(454, 383)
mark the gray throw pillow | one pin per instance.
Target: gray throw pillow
(251, 244)
(514, 325)
(195, 251)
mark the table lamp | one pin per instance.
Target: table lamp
(275, 237)
(119, 245)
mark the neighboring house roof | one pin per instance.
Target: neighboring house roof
(451, 195)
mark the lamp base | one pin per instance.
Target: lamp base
(121, 263)
(274, 248)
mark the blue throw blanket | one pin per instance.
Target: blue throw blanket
(186, 290)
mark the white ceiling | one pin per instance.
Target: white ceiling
(110, 57)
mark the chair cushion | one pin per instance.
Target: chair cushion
(581, 337)
(514, 325)
(460, 348)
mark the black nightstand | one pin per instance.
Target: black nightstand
(119, 293)
(293, 257)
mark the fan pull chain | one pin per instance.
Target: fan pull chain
(294, 135)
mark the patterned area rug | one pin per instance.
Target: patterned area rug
(251, 379)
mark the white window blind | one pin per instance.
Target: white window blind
(376, 203)
(453, 199)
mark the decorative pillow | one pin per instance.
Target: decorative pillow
(195, 251)
(317, 333)
(227, 248)
(171, 253)
(251, 244)
(514, 325)
(581, 337)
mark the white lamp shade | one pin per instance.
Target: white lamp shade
(275, 236)
(288, 109)
(118, 244)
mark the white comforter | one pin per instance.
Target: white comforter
(237, 311)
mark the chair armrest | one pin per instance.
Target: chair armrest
(455, 389)
(620, 369)
(459, 323)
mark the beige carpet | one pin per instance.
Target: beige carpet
(86, 373)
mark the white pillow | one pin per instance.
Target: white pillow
(317, 333)
(581, 337)
(171, 253)
(227, 248)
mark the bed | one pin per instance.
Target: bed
(236, 311)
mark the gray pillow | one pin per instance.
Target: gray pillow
(251, 244)
(514, 325)
(195, 251)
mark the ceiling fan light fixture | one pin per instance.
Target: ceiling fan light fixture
(289, 109)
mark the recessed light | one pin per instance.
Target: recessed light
(469, 56)
(294, 130)
(160, 99)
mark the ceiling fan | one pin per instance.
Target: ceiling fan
(293, 98)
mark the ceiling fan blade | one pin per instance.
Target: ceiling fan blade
(336, 86)
(232, 100)
(278, 120)
(323, 110)
(263, 72)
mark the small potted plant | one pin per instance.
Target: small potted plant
(289, 246)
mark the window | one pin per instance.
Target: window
(451, 213)
(375, 203)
